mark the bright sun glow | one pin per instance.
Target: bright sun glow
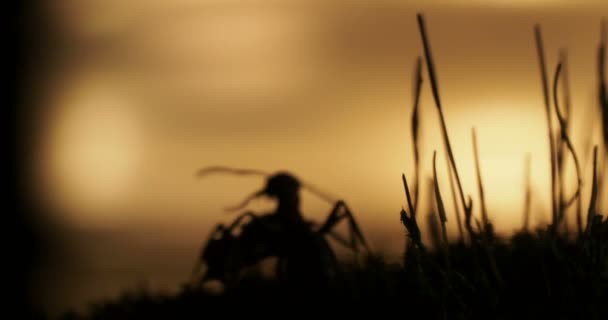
(94, 149)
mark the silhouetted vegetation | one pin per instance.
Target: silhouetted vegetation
(542, 276)
(536, 273)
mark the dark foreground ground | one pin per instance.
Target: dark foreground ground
(532, 275)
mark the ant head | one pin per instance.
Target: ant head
(281, 185)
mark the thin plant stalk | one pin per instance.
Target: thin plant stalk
(435, 89)
(566, 139)
(528, 188)
(579, 215)
(564, 126)
(603, 95)
(416, 128)
(468, 219)
(410, 222)
(442, 216)
(602, 89)
(543, 72)
(593, 200)
(487, 230)
(408, 196)
(482, 201)
(563, 57)
(455, 201)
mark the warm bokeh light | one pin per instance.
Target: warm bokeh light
(145, 93)
(93, 151)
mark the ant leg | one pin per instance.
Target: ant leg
(356, 234)
(196, 270)
(339, 238)
(333, 219)
(354, 231)
(253, 217)
(237, 221)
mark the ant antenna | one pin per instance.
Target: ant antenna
(245, 202)
(223, 169)
(204, 171)
(316, 191)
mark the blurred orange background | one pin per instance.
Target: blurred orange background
(134, 97)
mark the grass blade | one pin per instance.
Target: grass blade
(543, 71)
(435, 89)
(415, 128)
(455, 200)
(561, 146)
(482, 201)
(602, 90)
(408, 196)
(410, 223)
(593, 200)
(442, 216)
(528, 195)
(565, 138)
(603, 95)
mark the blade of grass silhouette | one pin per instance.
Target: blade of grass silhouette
(415, 129)
(482, 200)
(603, 95)
(602, 89)
(593, 200)
(467, 220)
(579, 215)
(442, 216)
(478, 225)
(432, 219)
(561, 150)
(408, 196)
(563, 57)
(414, 231)
(566, 139)
(528, 188)
(593, 121)
(435, 90)
(485, 228)
(413, 205)
(412, 228)
(455, 200)
(410, 223)
(561, 147)
(543, 73)
(434, 228)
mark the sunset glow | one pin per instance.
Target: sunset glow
(143, 95)
(94, 152)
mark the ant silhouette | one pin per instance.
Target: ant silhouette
(300, 245)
